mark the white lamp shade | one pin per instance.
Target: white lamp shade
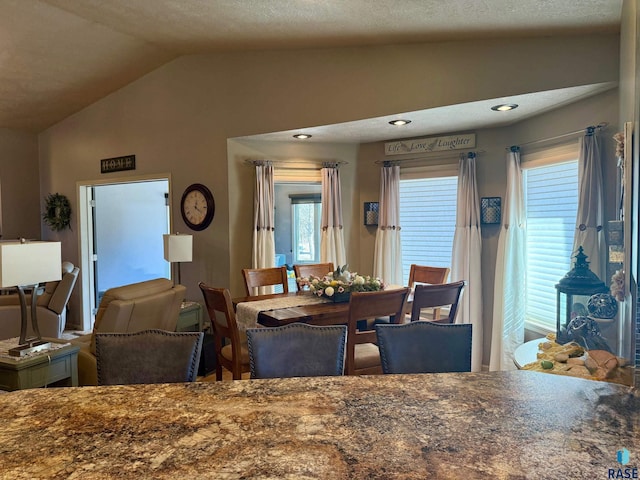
(29, 263)
(178, 248)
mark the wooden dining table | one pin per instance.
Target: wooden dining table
(326, 313)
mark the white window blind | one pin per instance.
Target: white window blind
(428, 221)
(551, 199)
(297, 174)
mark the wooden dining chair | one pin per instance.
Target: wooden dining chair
(148, 356)
(425, 347)
(363, 356)
(234, 355)
(426, 274)
(297, 350)
(316, 269)
(264, 277)
(436, 296)
(423, 274)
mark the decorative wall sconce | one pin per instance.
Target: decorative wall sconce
(371, 214)
(490, 210)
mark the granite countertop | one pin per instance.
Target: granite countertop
(506, 425)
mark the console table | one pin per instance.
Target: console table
(55, 367)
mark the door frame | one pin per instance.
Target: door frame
(85, 236)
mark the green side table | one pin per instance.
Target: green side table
(52, 368)
(190, 318)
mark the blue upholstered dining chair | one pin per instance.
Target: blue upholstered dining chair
(296, 350)
(425, 347)
(149, 356)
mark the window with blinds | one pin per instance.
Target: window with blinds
(428, 221)
(551, 199)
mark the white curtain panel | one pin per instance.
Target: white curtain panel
(590, 216)
(332, 238)
(264, 249)
(509, 286)
(466, 255)
(387, 262)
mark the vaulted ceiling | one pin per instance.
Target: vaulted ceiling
(59, 56)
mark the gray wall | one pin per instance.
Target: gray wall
(20, 196)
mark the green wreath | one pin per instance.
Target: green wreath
(57, 212)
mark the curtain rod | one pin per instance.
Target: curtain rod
(298, 165)
(442, 156)
(589, 131)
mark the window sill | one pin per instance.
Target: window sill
(538, 329)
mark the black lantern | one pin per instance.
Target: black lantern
(574, 291)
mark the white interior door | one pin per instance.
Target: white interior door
(121, 237)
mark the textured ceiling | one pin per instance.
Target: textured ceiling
(453, 118)
(58, 56)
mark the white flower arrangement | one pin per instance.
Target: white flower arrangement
(341, 281)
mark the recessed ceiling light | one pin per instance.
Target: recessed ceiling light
(399, 123)
(302, 136)
(504, 107)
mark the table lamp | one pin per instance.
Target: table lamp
(26, 264)
(178, 248)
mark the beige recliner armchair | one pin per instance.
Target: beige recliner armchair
(153, 304)
(51, 307)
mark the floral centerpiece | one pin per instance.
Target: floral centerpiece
(338, 285)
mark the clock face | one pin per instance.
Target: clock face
(197, 206)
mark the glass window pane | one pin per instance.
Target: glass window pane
(306, 232)
(551, 199)
(428, 221)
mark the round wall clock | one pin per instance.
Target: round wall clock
(197, 206)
